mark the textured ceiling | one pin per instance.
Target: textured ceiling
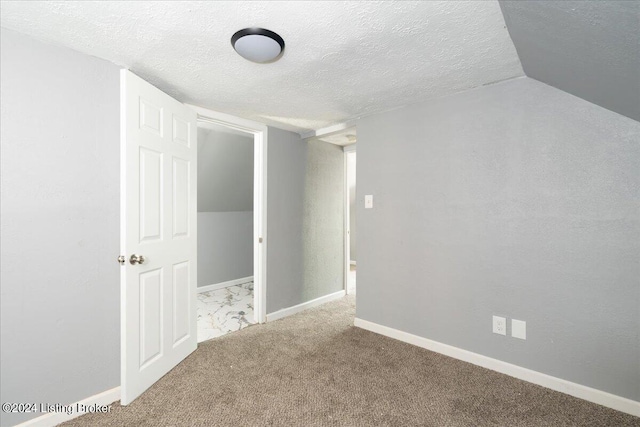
(342, 59)
(587, 48)
(343, 138)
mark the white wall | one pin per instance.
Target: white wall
(515, 199)
(59, 216)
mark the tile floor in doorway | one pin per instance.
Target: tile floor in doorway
(224, 310)
(351, 280)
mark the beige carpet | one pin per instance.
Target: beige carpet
(316, 369)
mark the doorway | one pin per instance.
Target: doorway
(345, 136)
(258, 133)
(350, 218)
(225, 297)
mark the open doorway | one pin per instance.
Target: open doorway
(255, 178)
(350, 218)
(225, 299)
(345, 136)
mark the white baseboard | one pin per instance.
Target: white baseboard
(226, 284)
(577, 390)
(54, 418)
(304, 306)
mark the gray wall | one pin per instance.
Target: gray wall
(286, 158)
(225, 172)
(305, 257)
(323, 221)
(225, 206)
(515, 199)
(225, 246)
(60, 305)
(587, 48)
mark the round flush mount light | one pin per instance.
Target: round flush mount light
(258, 45)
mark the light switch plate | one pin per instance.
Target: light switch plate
(519, 329)
(368, 201)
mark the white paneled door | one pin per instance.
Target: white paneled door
(158, 226)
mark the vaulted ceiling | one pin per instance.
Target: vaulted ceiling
(345, 60)
(590, 49)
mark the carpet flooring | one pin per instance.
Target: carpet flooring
(316, 369)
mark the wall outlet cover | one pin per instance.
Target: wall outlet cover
(499, 325)
(519, 329)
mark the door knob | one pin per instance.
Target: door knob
(136, 259)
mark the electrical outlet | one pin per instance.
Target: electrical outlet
(499, 325)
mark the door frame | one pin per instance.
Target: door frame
(347, 217)
(260, 142)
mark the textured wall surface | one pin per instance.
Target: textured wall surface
(225, 246)
(342, 59)
(305, 257)
(323, 224)
(515, 199)
(225, 172)
(59, 216)
(587, 48)
(286, 158)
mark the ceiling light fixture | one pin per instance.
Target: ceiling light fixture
(258, 45)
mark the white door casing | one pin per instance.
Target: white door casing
(158, 221)
(348, 150)
(260, 144)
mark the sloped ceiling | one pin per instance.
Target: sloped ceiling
(587, 48)
(225, 170)
(342, 59)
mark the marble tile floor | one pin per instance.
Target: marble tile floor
(351, 280)
(224, 310)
